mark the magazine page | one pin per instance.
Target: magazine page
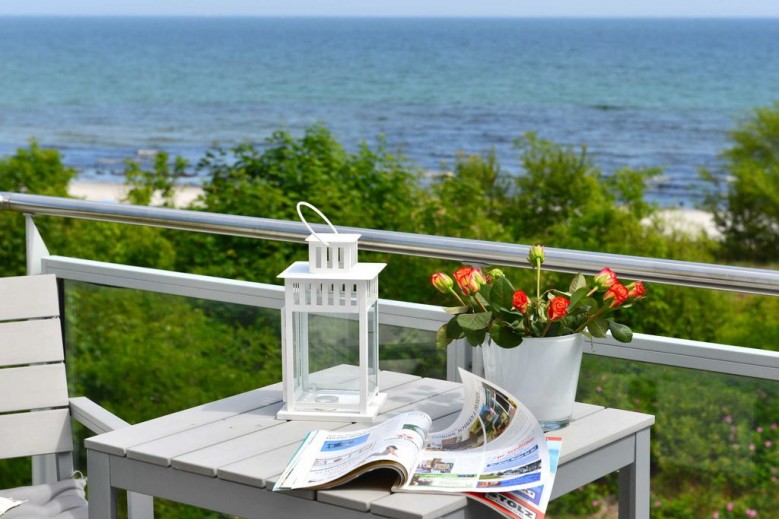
(329, 458)
(6, 503)
(527, 503)
(494, 444)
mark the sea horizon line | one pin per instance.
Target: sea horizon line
(396, 17)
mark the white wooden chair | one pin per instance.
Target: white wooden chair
(35, 409)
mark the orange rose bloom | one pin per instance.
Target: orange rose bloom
(469, 279)
(618, 293)
(557, 308)
(520, 301)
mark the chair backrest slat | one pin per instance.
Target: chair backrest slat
(30, 342)
(32, 434)
(33, 387)
(34, 414)
(28, 297)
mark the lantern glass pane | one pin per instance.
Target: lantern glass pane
(373, 348)
(323, 342)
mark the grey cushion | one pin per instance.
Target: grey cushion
(61, 500)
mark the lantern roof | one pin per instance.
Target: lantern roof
(359, 272)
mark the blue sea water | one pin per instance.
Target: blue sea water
(636, 92)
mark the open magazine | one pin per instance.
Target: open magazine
(495, 452)
(6, 503)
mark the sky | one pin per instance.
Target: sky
(468, 8)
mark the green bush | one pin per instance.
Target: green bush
(747, 210)
(36, 171)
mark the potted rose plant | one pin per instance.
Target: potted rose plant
(531, 344)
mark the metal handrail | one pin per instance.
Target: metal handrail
(683, 273)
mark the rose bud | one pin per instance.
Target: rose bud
(536, 254)
(442, 282)
(635, 290)
(557, 308)
(477, 279)
(605, 278)
(496, 273)
(617, 294)
(520, 301)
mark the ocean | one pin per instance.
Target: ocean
(638, 93)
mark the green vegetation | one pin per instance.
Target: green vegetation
(711, 446)
(747, 211)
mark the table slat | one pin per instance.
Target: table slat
(596, 430)
(258, 469)
(117, 442)
(206, 461)
(161, 451)
(414, 506)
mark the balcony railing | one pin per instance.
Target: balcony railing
(658, 350)
(659, 366)
(682, 273)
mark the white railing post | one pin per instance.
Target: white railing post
(36, 248)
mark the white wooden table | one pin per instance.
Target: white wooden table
(226, 456)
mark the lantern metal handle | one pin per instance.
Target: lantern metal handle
(317, 211)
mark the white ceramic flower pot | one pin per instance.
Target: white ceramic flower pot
(541, 372)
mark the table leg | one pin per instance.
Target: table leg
(102, 496)
(140, 506)
(634, 482)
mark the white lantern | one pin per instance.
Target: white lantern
(330, 331)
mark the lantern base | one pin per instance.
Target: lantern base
(333, 415)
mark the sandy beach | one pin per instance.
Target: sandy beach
(690, 221)
(109, 192)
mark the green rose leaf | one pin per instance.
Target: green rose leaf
(442, 340)
(475, 337)
(578, 296)
(501, 294)
(577, 283)
(555, 329)
(579, 310)
(573, 322)
(537, 327)
(510, 316)
(453, 330)
(620, 332)
(473, 322)
(505, 337)
(598, 327)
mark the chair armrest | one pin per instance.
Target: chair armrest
(94, 417)
(100, 420)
